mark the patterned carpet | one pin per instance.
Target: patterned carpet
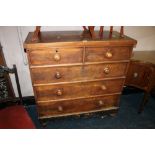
(127, 117)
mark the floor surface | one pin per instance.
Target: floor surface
(127, 117)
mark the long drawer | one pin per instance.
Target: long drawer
(69, 107)
(78, 89)
(77, 73)
(78, 55)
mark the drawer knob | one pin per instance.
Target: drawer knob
(60, 108)
(106, 70)
(103, 87)
(58, 75)
(59, 92)
(101, 102)
(57, 57)
(108, 54)
(135, 75)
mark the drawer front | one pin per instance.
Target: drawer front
(138, 75)
(77, 73)
(80, 89)
(56, 56)
(77, 106)
(107, 54)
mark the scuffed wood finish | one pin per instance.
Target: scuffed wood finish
(86, 72)
(47, 56)
(73, 73)
(100, 54)
(74, 55)
(76, 39)
(78, 89)
(78, 106)
(141, 74)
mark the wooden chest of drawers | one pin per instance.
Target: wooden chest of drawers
(73, 74)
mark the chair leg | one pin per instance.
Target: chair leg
(144, 102)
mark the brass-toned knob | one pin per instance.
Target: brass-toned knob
(57, 57)
(108, 54)
(103, 87)
(106, 70)
(58, 75)
(135, 75)
(60, 108)
(101, 102)
(59, 92)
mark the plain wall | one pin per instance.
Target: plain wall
(12, 39)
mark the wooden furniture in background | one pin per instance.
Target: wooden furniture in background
(14, 116)
(6, 89)
(141, 73)
(90, 30)
(73, 74)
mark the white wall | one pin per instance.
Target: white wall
(12, 39)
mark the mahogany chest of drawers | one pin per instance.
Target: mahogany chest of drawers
(73, 74)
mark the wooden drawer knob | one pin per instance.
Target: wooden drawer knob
(59, 92)
(57, 57)
(106, 70)
(101, 102)
(103, 87)
(135, 75)
(58, 75)
(108, 54)
(60, 108)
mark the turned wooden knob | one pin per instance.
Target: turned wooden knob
(101, 102)
(59, 92)
(60, 108)
(58, 75)
(57, 57)
(106, 70)
(108, 54)
(103, 87)
(135, 75)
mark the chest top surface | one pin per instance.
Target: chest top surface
(145, 56)
(63, 38)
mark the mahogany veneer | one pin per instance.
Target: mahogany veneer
(141, 74)
(73, 73)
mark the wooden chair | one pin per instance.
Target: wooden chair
(89, 29)
(14, 116)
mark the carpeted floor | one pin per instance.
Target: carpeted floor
(127, 117)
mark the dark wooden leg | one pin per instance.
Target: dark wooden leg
(43, 122)
(113, 114)
(91, 29)
(111, 31)
(144, 102)
(122, 31)
(101, 31)
(35, 36)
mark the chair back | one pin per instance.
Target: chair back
(3, 71)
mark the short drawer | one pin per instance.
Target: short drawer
(69, 107)
(77, 73)
(55, 56)
(79, 89)
(107, 54)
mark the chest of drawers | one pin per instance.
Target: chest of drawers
(73, 74)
